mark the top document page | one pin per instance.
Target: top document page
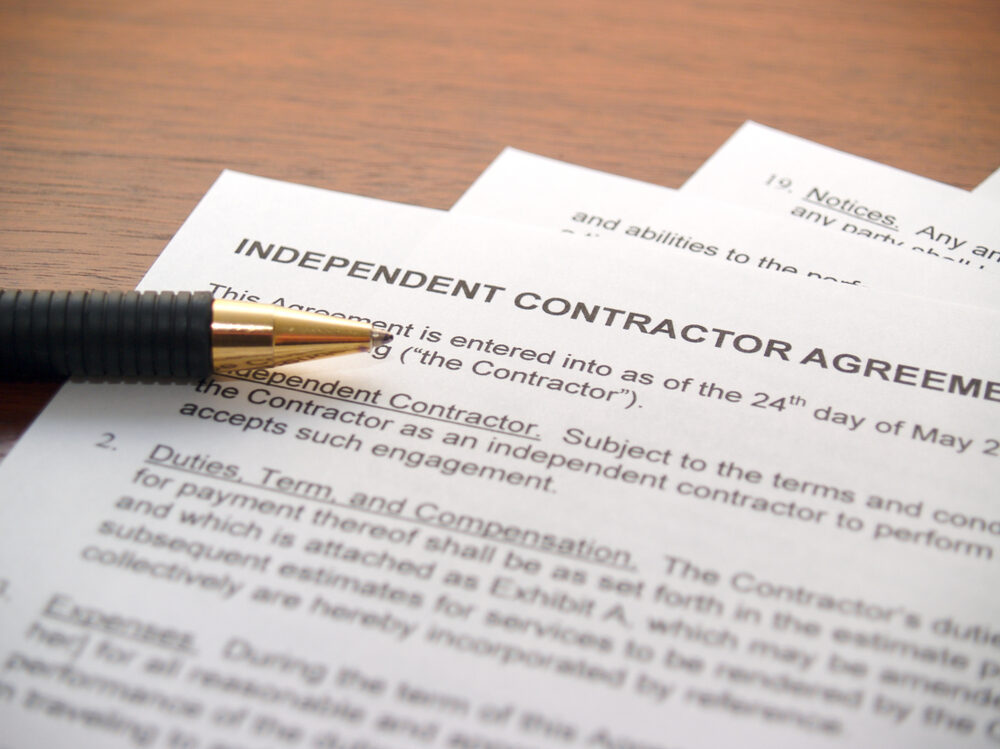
(849, 196)
(583, 500)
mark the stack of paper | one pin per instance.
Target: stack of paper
(642, 469)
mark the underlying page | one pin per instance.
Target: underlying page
(851, 197)
(578, 502)
(532, 189)
(989, 187)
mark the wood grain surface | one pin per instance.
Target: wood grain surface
(115, 117)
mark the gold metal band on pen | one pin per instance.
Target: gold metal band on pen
(262, 335)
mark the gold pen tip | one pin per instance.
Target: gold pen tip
(379, 337)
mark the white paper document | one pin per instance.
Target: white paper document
(887, 209)
(989, 187)
(642, 217)
(581, 500)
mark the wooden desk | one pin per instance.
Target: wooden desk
(115, 117)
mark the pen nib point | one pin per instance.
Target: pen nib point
(379, 337)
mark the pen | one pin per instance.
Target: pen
(101, 334)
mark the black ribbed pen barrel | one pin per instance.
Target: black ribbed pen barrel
(58, 334)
